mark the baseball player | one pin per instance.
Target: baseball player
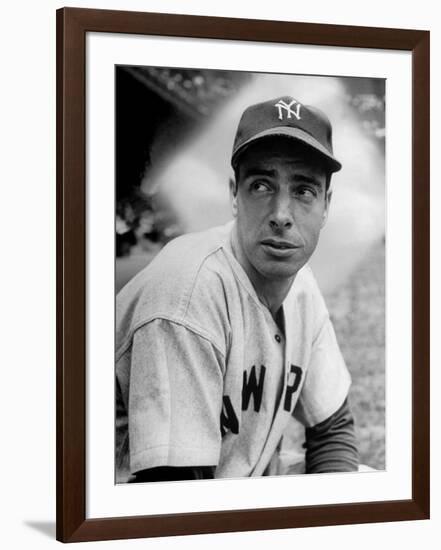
(225, 336)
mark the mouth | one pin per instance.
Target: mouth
(278, 247)
(279, 244)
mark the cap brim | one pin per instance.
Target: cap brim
(293, 133)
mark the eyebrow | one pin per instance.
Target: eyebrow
(308, 179)
(302, 178)
(259, 172)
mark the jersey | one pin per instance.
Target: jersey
(204, 375)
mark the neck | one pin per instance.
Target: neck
(271, 292)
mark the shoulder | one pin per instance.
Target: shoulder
(306, 295)
(305, 284)
(182, 284)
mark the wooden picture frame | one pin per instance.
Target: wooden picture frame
(72, 26)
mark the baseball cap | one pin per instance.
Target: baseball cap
(287, 117)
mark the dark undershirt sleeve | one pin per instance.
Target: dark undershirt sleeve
(170, 473)
(331, 445)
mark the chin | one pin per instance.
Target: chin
(279, 272)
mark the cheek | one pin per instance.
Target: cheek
(310, 226)
(248, 213)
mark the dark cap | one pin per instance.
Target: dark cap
(287, 117)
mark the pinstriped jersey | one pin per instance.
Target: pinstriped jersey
(204, 375)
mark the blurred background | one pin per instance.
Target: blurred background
(174, 134)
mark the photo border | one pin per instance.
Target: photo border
(72, 26)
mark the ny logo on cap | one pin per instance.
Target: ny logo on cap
(282, 106)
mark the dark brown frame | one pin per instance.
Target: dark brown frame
(72, 25)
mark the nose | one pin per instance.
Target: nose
(281, 216)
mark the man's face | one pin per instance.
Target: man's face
(281, 204)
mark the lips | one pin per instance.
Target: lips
(279, 244)
(279, 249)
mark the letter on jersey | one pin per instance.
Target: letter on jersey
(228, 419)
(294, 378)
(251, 387)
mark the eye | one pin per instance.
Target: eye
(306, 192)
(260, 186)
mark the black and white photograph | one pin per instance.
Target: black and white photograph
(249, 275)
(220, 264)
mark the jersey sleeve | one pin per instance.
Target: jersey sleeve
(327, 379)
(176, 382)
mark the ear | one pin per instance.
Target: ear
(233, 195)
(328, 198)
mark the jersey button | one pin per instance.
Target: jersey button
(278, 339)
